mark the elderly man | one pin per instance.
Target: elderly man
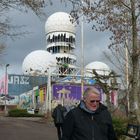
(90, 120)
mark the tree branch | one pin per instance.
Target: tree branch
(125, 5)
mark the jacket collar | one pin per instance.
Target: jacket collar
(83, 107)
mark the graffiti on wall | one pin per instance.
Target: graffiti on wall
(72, 93)
(26, 100)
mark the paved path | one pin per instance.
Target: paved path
(26, 129)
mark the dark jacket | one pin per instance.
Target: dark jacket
(58, 114)
(81, 124)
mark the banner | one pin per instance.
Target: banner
(18, 84)
(4, 85)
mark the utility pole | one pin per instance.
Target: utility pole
(5, 88)
(82, 53)
(48, 100)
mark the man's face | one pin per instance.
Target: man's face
(92, 101)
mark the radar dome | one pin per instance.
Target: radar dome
(38, 62)
(59, 22)
(100, 67)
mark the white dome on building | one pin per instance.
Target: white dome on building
(38, 62)
(100, 67)
(59, 22)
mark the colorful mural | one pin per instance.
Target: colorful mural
(42, 92)
(66, 91)
(3, 83)
(26, 100)
(67, 94)
(71, 94)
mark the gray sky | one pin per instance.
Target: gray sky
(94, 42)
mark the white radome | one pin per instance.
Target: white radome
(59, 22)
(100, 67)
(38, 62)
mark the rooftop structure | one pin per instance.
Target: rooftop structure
(100, 68)
(38, 62)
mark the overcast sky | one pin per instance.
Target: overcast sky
(94, 42)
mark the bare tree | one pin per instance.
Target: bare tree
(6, 28)
(2, 47)
(119, 58)
(13, 31)
(122, 18)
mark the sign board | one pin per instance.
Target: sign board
(18, 84)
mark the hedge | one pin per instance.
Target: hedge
(22, 113)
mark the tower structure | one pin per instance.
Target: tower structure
(60, 40)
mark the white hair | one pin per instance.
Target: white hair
(92, 90)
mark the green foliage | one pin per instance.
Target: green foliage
(120, 125)
(22, 113)
(65, 65)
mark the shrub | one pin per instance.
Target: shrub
(22, 113)
(120, 126)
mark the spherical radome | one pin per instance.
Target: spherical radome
(59, 22)
(38, 62)
(100, 67)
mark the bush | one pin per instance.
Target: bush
(22, 113)
(120, 126)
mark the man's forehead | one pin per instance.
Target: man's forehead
(91, 94)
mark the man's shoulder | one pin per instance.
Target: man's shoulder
(75, 110)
